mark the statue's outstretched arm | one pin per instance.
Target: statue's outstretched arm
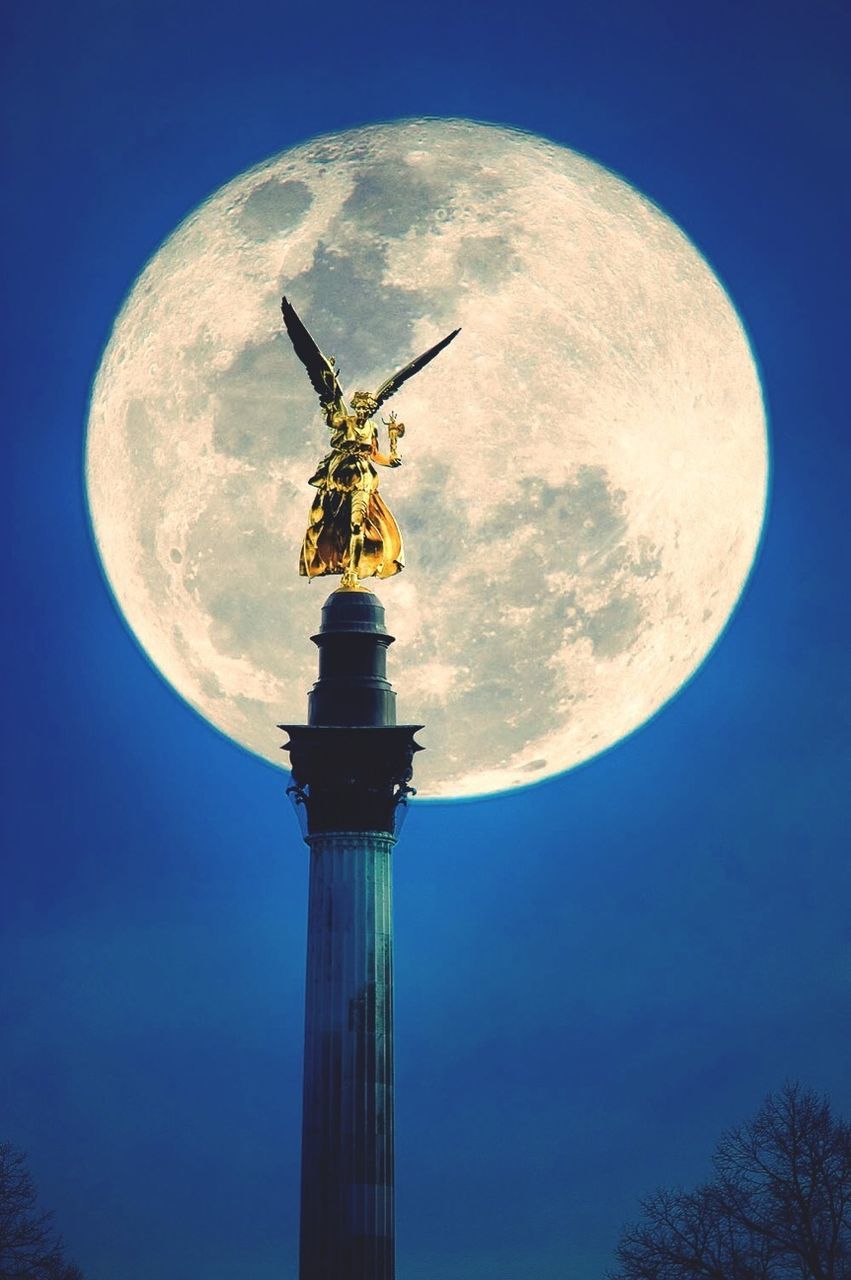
(386, 459)
(390, 459)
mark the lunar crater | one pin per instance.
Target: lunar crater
(275, 208)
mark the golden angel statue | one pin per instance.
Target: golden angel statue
(351, 531)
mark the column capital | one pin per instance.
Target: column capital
(351, 778)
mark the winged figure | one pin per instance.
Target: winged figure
(351, 531)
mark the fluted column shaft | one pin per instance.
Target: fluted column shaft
(347, 1137)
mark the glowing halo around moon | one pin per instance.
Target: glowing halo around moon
(584, 473)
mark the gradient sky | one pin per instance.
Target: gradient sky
(593, 977)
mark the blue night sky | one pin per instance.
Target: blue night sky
(593, 977)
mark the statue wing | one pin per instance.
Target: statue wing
(392, 385)
(319, 368)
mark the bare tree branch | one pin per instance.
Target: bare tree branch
(30, 1249)
(778, 1207)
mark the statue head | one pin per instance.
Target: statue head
(364, 405)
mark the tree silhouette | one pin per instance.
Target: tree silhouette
(30, 1249)
(777, 1208)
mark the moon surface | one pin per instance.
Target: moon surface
(585, 467)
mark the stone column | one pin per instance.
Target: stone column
(347, 1143)
(351, 769)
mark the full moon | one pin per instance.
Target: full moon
(584, 472)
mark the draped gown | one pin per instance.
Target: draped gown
(347, 492)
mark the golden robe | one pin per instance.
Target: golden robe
(347, 493)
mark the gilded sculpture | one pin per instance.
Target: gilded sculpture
(351, 530)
